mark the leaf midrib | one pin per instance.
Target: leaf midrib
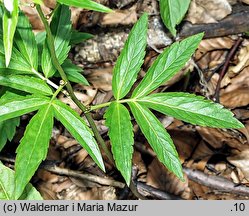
(5, 192)
(163, 71)
(122, 80)
(152, 128)
(39, 131)
(175, 107)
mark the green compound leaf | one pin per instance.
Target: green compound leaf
(74, 72)
(17, 64)
(7, 186)
(20, 106)
(131, 59)
(158, 138)
(25, 83)
(61, 30)
(121, 135)
(87, 4)
(10, 18)
(78, 37)
(167, 65)
(8, 130)
(172, 12)
(191, 108)
(25, 41)
(33, 147)
(79, 130)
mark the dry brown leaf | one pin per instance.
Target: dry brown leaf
(185, 141)
(141, 168)
(217, 138)
(46, 191)
(158, 176)
(85, 94)
(202, 151)
(236, 94)
(102, 193)
(241, 161)
(66, 142)
(208, 11)
(242, 114)
(101, 78)
(245, 1)
(208, 45)
(150, 6)
(120, 17)
(47, 176)
(121, 3)
(242, 61)
(232, 2)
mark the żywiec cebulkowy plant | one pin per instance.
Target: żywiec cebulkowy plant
(25, 71)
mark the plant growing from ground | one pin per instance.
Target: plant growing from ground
(27, 62)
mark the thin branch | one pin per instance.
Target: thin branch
(216, 182)
(84, 176)
(148, 190)
(133, 184)
(225, 67)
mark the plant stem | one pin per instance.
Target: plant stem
(49, 82)
(50, 41)
(99, 106)
(62, 84)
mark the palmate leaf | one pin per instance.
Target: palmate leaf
(131, 59)
(33, 147)
(21, 105)
(158, 138)
(78, 129)
(87, 4)
(172, 12)
(121, 134)
(10, 18)
(25, 41)
(61, 30)
(191, 108)
(8, 130)
(7, 186)
(25, 83)
(167, 65)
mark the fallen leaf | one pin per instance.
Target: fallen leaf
(241, 161)
(245, 1)
(207, 45)
(119, 17)
(100, 78)
(208, 11)
(158, 176)
(236, 94)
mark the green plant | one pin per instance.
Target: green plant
(28, 62)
